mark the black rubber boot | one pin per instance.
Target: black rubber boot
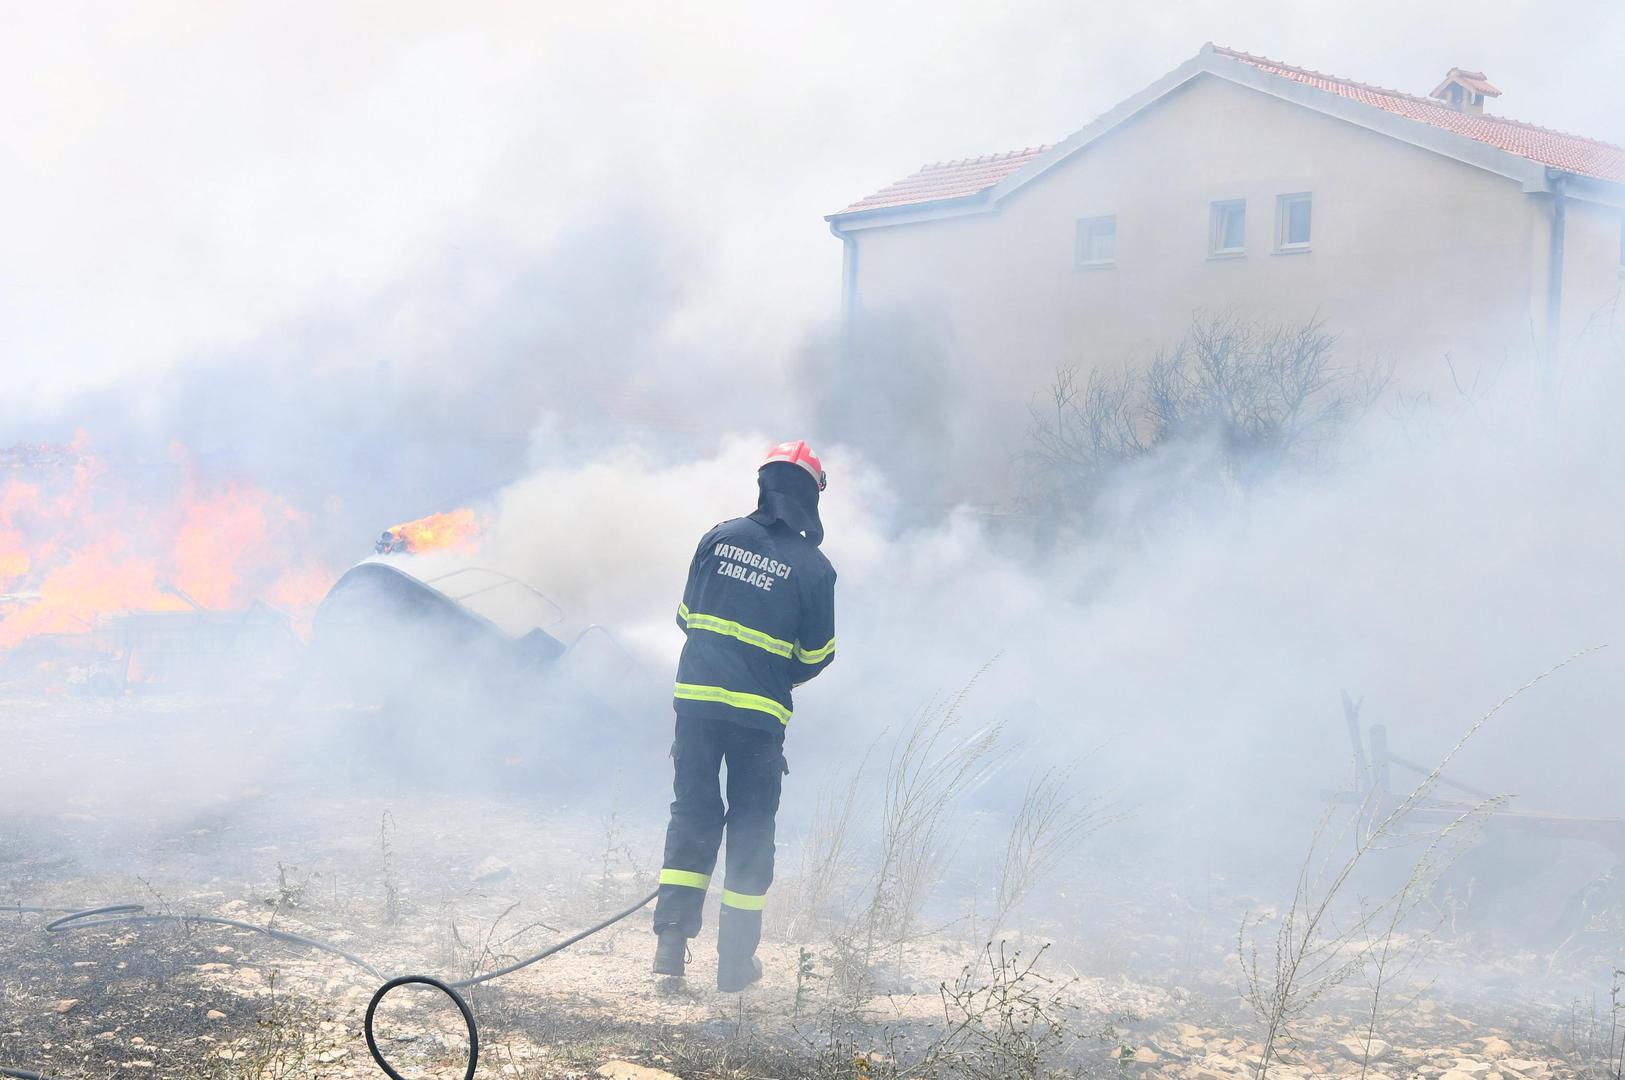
(734, 973)
(670, 952)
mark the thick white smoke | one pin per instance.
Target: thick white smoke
(1459, 551)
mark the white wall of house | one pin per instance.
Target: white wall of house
(1593, 277)
(1413, 255)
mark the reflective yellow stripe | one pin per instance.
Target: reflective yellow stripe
(685, 877)
(814, 656)
(695, 692)
(742, 901)
(697, 620)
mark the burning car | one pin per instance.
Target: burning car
(459, 666)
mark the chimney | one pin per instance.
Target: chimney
(1464, 90)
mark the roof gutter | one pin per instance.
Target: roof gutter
(1578, 187)
(909, 213)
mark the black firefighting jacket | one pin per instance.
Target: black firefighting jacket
(759, 612)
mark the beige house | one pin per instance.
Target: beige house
(1416, 227)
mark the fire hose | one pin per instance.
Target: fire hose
(106, 915)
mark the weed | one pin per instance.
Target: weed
(488, 951)
(807, 895)
(390, 881)
(280, 1048)
(806, 974)
(1596, 1049)
(927, 771)
(1049, 825)
(851, 980)
(1003, 1020)
(616, 851)
(290, 893)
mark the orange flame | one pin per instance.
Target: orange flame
(76, 547)
(452, 530)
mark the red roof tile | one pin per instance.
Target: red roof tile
(948, 180)
(1570, 153)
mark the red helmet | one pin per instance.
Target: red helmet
(798, 453)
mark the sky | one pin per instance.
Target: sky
(185, 182)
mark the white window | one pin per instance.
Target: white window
(1229, 231)
(1097, 241)
(1293, 214)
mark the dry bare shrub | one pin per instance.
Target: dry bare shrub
(1002, 1019)
(1233, 403)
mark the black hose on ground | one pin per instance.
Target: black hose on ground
(558, 946)
(135, 913)
(107, 915)
(457, 999)
(450, 989)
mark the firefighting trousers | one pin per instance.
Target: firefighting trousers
(756, 768)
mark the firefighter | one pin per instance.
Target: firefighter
(759, 615)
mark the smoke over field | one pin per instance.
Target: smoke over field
(495, 316)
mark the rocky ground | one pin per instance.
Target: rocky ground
(192, 806)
